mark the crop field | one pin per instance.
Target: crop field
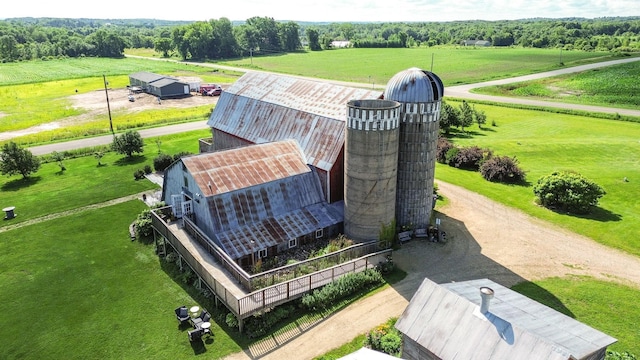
(604, 151)
(611, 86)
(455, 65)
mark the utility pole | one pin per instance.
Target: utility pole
(251, 54)
(106, 92)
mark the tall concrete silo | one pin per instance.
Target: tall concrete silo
(371, 163)
(420, 93)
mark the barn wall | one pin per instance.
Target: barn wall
(223, 140)
(411, 350)
(174, 89)
(337, 179)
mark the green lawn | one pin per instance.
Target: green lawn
(84, 182)
(615, 86)
(605, 151)
(455, 65)
(78, 288)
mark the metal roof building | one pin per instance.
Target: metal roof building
(259, 199)
(262, 107)
(159, 85)
(448, 322)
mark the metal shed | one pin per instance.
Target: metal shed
(448, 322)
(262, 107)
(159, 85)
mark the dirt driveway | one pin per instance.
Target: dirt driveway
(485, 240)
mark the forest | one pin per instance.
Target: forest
(23, 39)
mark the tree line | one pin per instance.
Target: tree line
(27, 38)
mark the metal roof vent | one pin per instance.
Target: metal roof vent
(486, 293)
(414, 86)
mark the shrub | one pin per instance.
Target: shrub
(323, 298)
(260, 324)
(502, 169)
(466, 158)
(451, 155)
(568, 191)
(138, 174)
(162, 161)
(231, 320)
(614, 355)
(385, 338)
(180, 155)
(147, 169)
(442, 148)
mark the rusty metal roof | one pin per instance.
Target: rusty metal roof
(261, 107)
(445, 319)
(270, 213)
(230, 170)
(276, 230)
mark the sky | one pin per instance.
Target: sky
(322, 11)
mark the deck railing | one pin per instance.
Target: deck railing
(267, 297)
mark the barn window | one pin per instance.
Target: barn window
(262, 253)
(319, 233)
(293, 243)
(186, 181)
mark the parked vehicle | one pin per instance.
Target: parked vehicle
(210, 90)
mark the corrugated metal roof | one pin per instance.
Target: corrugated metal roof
(414, 85)
(230, 170)
(276, 230)
(445, 319)
(262, 107)
(165, 81)
(146, 76)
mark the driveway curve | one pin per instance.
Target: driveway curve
(485, 240)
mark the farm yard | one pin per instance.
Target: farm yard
(542, 141)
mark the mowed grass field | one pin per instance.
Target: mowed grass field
(605, 151)
(615, 86)
(80, 288)
(454, 65)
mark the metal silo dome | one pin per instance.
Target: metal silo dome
(414, 86)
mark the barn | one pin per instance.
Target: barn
(159, 85)
(262, 199)
(262, 107)
(480, 319)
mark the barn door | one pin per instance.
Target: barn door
(176, 201)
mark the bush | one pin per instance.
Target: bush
(231, 320)
(138, 174)
(147, 169)
(180, 155)
(162, 161)
(259, 325)
(468, 158)
(614, 355)
(385, 338)
(568, 191)
(325, 297)
(451, 155)
(442, 148)
(502, 169)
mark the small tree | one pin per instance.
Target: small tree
(98, 155)
(502, 169)
(58, 157)
(480, 117)
(466, 115)
(449, 117)
(128, 143)
(568, 191)
(16, 160)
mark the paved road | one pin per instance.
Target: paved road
(464, 91)
(108, 139)
(460, 91)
